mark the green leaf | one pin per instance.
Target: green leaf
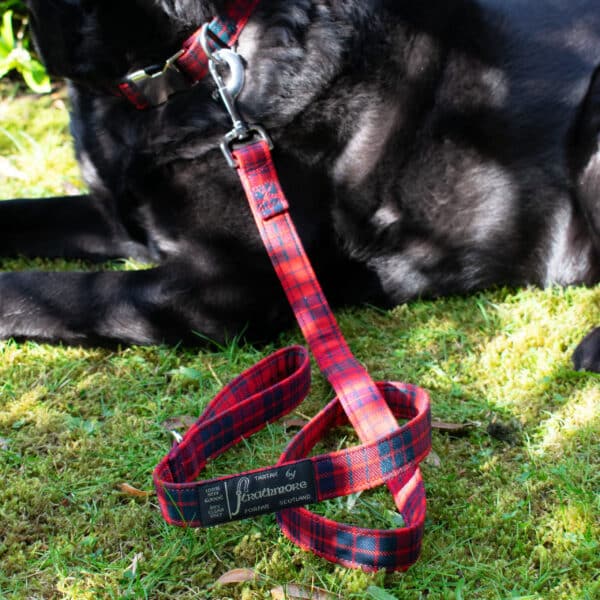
(5, 50)
(36, 78)
(6, 31)
(15, 56)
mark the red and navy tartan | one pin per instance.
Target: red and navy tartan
(265, 393)
(388, 454)
(194, 62)
(364, 405)
(393, 460)
(130, 92)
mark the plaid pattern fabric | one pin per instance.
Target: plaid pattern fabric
(265, 393)
(388, 453)
(368, 465)
(362, 401)
(359, 547)
(130, 92)
(193, 62)
(226, 28)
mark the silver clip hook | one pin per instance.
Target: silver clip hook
(229, 91)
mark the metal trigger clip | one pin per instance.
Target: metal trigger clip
(229, 91)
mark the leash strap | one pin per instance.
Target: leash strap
(387, 454)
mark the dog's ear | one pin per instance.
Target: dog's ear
(56, 26)
(98, 40)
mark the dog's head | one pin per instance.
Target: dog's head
(98, 40)
(291, 52)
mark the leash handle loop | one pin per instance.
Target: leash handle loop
(263, 394)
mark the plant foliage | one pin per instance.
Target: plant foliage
(14, 48)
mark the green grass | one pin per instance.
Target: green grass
(36, 155)
(504, 521)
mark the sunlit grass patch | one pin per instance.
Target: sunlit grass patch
(36, 154)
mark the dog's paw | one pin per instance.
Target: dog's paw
(587, 355)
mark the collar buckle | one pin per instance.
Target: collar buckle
(158, 82)
(155, 71)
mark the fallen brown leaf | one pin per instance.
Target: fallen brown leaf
(181, 424)
(237, 576)
(454, 428)
(294, 424)
(129, 490)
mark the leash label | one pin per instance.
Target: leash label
(252, 494)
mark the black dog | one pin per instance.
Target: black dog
(427, 148)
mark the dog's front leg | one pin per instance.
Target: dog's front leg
(102, 308)
(80, 308)
(84, 227)
(166, 304)
(585, 158)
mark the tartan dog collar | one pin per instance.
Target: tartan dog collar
(155, 84)
(387, 454)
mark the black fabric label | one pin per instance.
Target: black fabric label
(245, 496)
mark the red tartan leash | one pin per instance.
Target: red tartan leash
(387, 454)
(275, 386)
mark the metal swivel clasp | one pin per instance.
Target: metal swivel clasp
(229, 61)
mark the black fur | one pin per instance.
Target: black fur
(427, 148)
